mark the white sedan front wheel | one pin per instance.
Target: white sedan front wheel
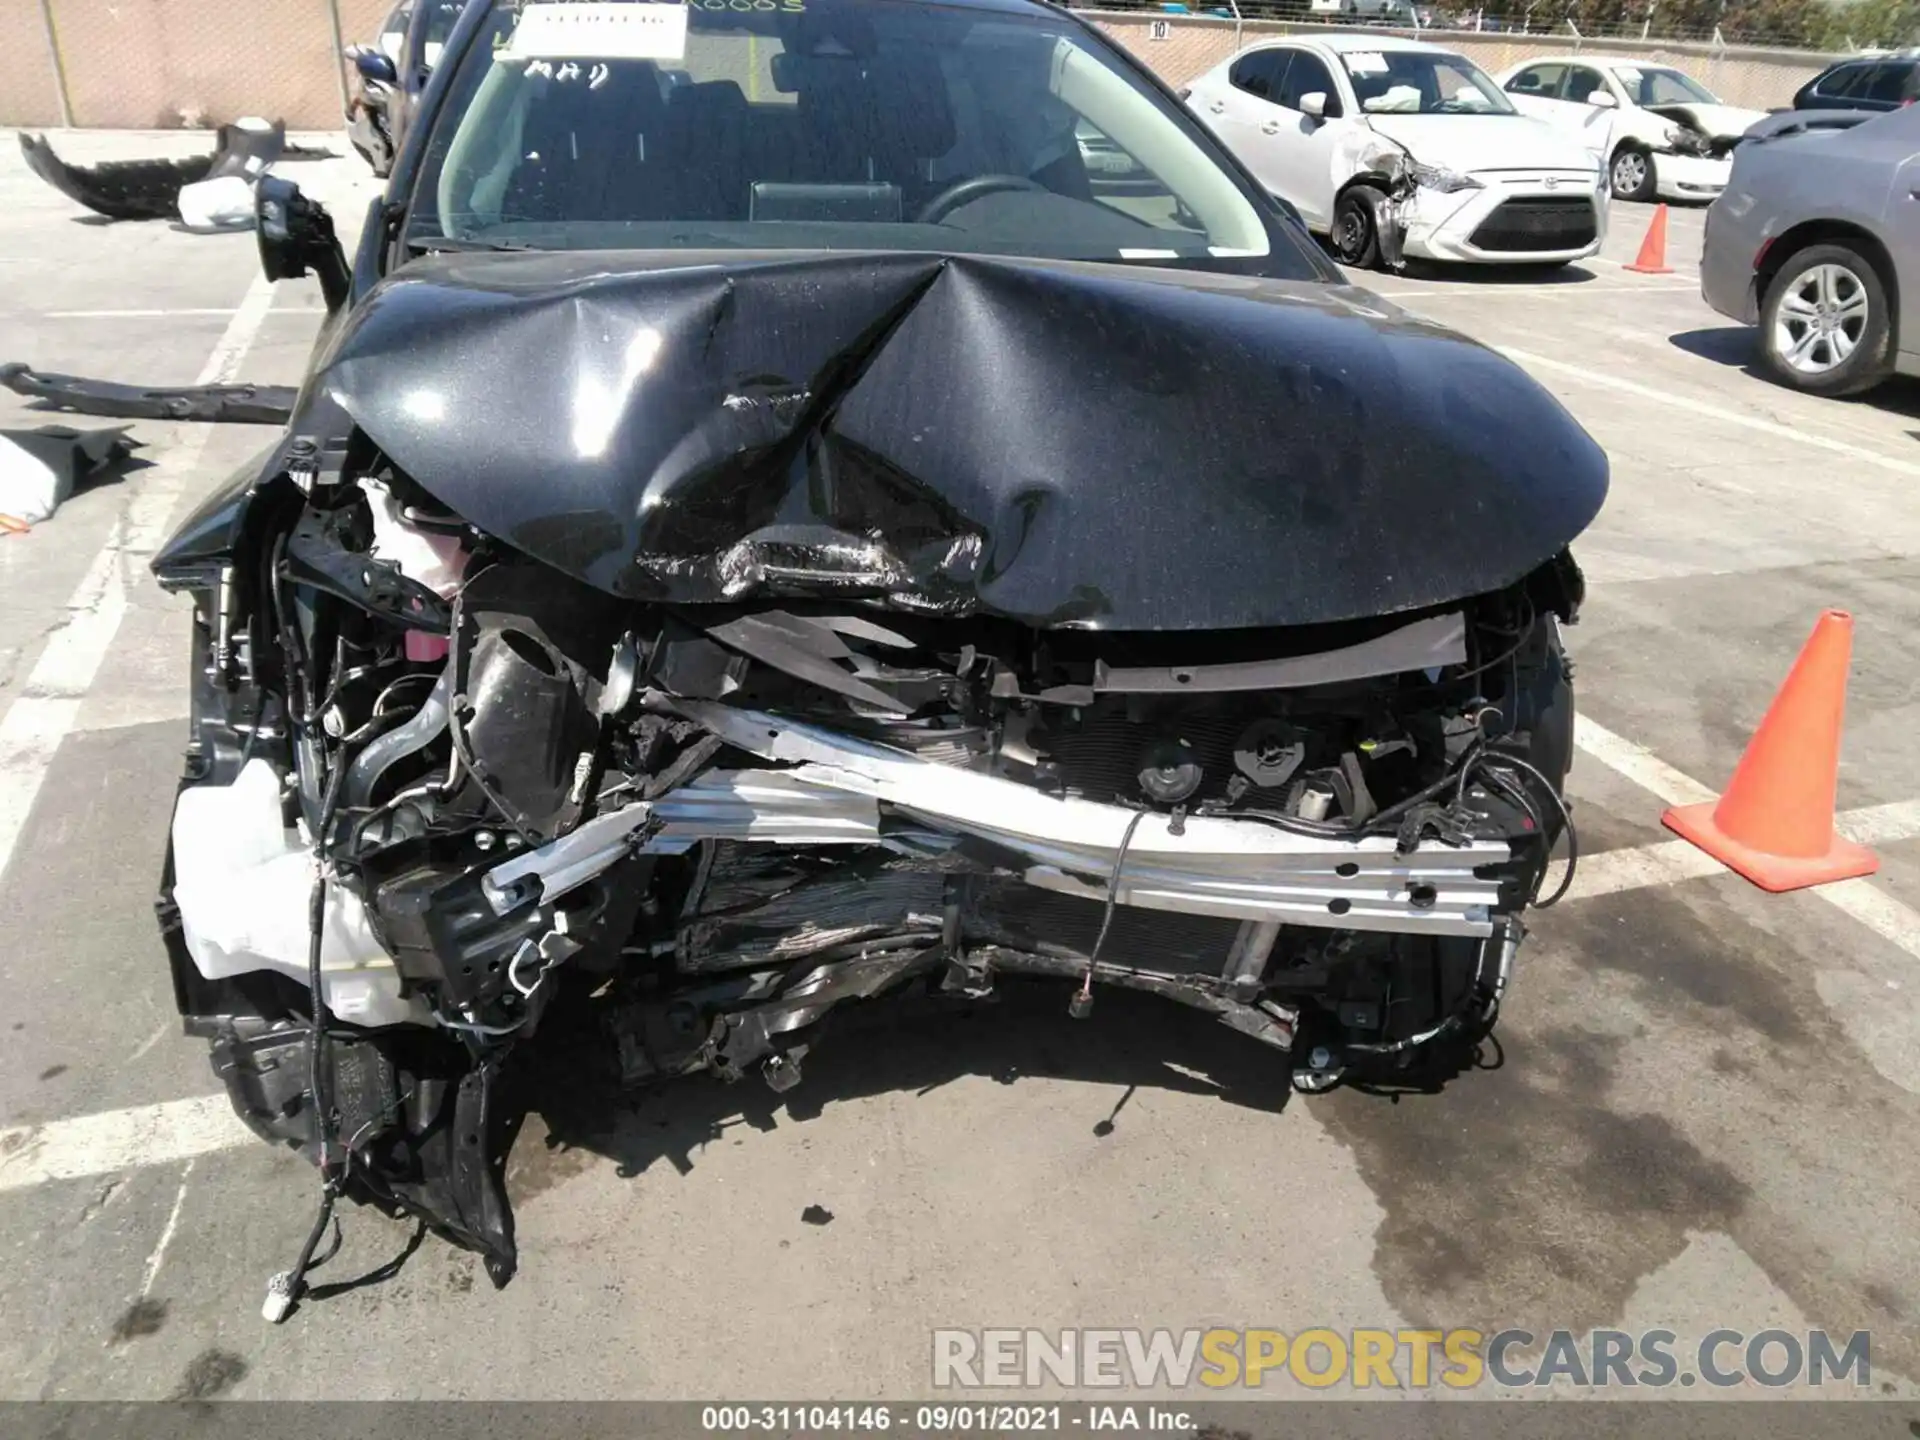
(1632, 174)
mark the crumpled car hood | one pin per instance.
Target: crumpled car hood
(1065, 444)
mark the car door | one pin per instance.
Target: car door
(1234, 104)
(1596, 103)
(1902, 235)
(1301, 147)
(1887, 87)
(1536, 89)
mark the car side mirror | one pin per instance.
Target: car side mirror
(375, 65)
(296, 238)
(1314, 103)
(1603, 98)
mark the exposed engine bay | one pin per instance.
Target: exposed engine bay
(730, 822)
(874, 701)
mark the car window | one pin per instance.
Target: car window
(1663, 87)
(1842, 79)
(393, 34)
(1258, 73)
(1542, 80)
(1306, 75)
(1886, 83)
(434, 23)
(849, 124)
(1583, 82)
(1422, 81)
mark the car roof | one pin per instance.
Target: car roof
(1609, 62)
(1342, 43)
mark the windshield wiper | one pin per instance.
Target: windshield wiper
(455, 245)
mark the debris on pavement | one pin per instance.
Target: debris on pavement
(220, 404)
(153, 189)
(39, 469)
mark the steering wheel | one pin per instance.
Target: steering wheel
(967, 191)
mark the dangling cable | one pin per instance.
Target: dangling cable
(1082, 1003)
(285, 1288)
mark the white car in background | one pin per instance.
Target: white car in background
(1391, 147)
(1670, 137)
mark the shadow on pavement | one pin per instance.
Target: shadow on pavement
(1736, 346)
(910, 1043)
(1723, 344)
(1574, 273)
(916, 1044)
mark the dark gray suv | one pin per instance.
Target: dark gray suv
(1877, 82)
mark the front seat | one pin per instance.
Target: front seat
(584, 148)
(704, 146)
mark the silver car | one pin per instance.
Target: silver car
(1817, 241)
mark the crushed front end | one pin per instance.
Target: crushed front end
(439, 780)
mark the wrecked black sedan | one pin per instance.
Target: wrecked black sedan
(768, 525)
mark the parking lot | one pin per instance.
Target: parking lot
(1702, 1116)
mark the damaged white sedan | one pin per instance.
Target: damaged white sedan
(1394, 148)
(1667, 136)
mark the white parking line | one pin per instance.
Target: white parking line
(1638, 764)
(1710, 412)
(186, 312)
(1641, 868)
(135, 314)
(1880, 824)
(43, 713)
(116, 1140)
(1668, 862)
(1891, 919)
(1447, 288)
(152, 1271)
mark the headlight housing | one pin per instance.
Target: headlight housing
(1437, 177)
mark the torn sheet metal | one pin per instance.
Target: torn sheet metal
(1722, 127)
(232, 404)
(958, 435)
(150, 189)
(39, 469)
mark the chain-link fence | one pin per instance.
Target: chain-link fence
(168, 63)
(1179, 47)
(1793, 24)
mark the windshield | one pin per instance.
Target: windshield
(1422, 82)
(1663, 87)
(837, 124)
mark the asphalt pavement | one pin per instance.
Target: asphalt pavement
(1701, 1115)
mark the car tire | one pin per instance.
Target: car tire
(1630, 173)
(1825, 325)
(1354, 235)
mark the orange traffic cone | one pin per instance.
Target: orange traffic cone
(1775, 823)
(1653, 250)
